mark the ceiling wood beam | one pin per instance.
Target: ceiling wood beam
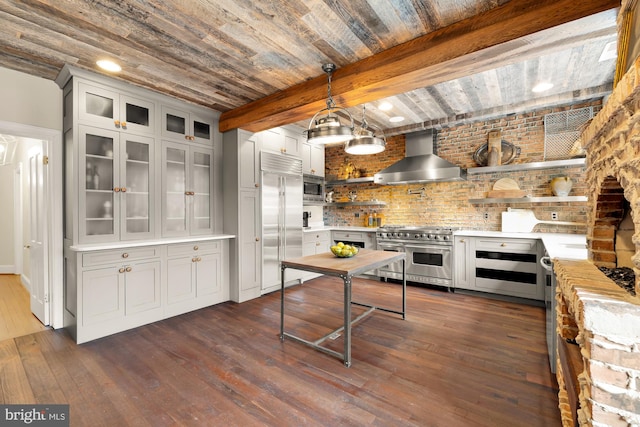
(455, 51)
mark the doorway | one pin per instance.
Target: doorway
(37, 238)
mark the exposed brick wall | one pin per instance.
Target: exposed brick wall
(604, 318)
(447, 203)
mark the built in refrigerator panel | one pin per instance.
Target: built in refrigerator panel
(281, 226)
(293, 216)
(270, 229)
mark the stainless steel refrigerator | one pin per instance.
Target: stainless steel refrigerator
(281, 216)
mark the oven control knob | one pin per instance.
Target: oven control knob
(430, 237)
(446, 237)
(438, 237)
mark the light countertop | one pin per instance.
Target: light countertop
(558, 245)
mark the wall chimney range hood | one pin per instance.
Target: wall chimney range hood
(420, 164)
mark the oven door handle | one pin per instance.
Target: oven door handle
(430, 247)
(384, 246)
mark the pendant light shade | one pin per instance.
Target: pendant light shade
(326, 127)
(366, 141)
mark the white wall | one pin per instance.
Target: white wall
(30, 100)
(7, 260)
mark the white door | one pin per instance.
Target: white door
(37, 237)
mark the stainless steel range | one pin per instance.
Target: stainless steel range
(429, 253)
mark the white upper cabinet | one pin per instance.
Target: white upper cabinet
(313, 159)
(117, 189)
(182, 125)
(281, 140)
(109, 109)
(187, 184)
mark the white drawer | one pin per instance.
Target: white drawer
(507, 245)
(353, 236)
(315, 236)
(181, 249)
(119, 255)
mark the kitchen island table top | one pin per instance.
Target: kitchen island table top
(345, 268)
(327, 263)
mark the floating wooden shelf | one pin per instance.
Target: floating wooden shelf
(363, 203)
(551, 164)
(350, 181)
(543, 199)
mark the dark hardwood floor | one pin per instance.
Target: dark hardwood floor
(457, 360)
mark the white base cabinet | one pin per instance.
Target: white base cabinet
(113, 290)
(504, 266)
(194, 276)
(315, 242)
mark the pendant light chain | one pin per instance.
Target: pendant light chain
(329, 68)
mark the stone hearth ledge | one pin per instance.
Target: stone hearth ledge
(608, 322)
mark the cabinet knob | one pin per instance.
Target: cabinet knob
(194, 259)
(257, 185)
(283, 150)
(125, 255)
(199, 259)
(123, 189)
(317, 243)
(313, 171)
(123, 124)
(128, 269)
(503, 244)
(257, 239)
(462, 240)
(121, 270)
(116, 189)
(195, 248)
(116, 122)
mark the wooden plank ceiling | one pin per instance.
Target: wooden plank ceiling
(258, 62)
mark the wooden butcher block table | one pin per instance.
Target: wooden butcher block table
(345, 268)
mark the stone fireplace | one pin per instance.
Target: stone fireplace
(598, 321)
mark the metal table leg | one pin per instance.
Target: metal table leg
(282, 268)
(347, 320)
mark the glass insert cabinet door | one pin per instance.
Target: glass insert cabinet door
(97, 201)
(174, 178)
(112, 110)
(116, 196)
(201, 161)
(137, 187)
(187, 183)
(181, 125)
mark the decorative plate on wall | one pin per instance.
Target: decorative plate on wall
(509, 153)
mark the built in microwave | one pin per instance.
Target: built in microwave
(313, 189)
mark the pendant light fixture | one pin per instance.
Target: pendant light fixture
(366, 141)
(325, 127)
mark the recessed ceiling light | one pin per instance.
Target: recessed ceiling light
(108, 65)
(385, 106)
(396, 119)
(541, 87)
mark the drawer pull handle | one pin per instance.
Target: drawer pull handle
(195, 248)
(128, 269)
(121, 270)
